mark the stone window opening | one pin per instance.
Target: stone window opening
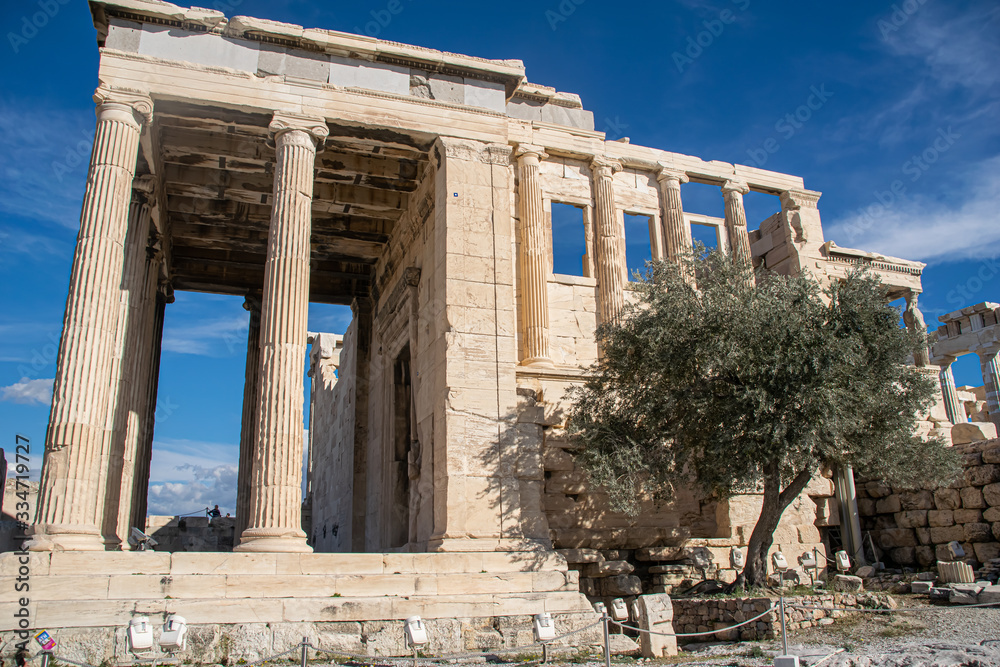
(570, 240)
(640, 232)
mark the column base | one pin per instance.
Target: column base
(58, 537)
(270, 540)
(538, 362)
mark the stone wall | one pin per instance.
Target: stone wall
(191, 533)
(705, 615)
(913, 526)
(332, 447)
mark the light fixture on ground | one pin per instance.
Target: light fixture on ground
(843, 561)
(737, 558)
(140, 634)
(601, 608)
(545, 627)
(619, 612)
(955, 550)
(809, 563)
(174, 635)
(416, 632)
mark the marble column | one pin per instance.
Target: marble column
(990, 364)
(611, 270)
(69, 511)
(276, 496)
(952, 405)
(676, 232)
(533, 258)
(162, 294)
(133, 329)
(736, 223)
(248, 430)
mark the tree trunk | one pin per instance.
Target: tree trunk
(775, 502)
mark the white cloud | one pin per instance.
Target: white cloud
(28, 392)
(209, 487)
(931, 231)
(218, 336)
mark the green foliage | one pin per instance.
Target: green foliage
(733, 384)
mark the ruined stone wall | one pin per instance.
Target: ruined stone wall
(191, 533)
(913, 526)
(332, 439)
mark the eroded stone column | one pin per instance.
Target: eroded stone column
(162, 294)
(533, 258)
(952, 405)
(248, 429)
(611, 269)
(133, 329)
(914, 321)
(990, 364)
(736, 223)
(69, 510)
(676, 232)
(276, 495)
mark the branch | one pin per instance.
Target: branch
(794, 488)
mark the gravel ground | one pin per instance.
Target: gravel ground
(941, 636)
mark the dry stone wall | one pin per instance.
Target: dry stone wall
(914, 526)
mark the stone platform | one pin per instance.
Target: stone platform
(249, 605)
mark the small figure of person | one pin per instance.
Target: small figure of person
(215, 512)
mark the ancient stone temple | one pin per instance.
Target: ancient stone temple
(287, 165)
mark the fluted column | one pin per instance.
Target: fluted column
(533, 258)
(676, 232)
(989, 362)
(736, 223)
(162, 294)
(611, 269)
(952, 405)
(276, 496)
(248, 430)
(69, 510)
(133, 328)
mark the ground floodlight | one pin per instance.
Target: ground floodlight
(737, 558)
(140, 541)
(633, 610)
(601, 608)
(416, 631)
(174, 635)
(545, 627)
(140, 634)
(807, 560)
(619, 612)
(779, 562)
(956, 550)
(843, 561)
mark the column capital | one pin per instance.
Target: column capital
(284, 122)
(732, 187)
(796, 199)
(252, 302)
(144, 187)
(527, 151)
(667, 174)
(605, 167)
(140, 103)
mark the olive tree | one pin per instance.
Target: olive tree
(741, 386)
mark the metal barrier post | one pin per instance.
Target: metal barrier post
(607, 641)
(415, 655)
(545, 652)
(305, 651)
(784, 636)
(46, 658)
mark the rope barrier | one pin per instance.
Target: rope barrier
(698, 634)
(906, 609)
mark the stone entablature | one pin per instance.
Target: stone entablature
(971, 330)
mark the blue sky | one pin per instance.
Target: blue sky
(852, 96)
